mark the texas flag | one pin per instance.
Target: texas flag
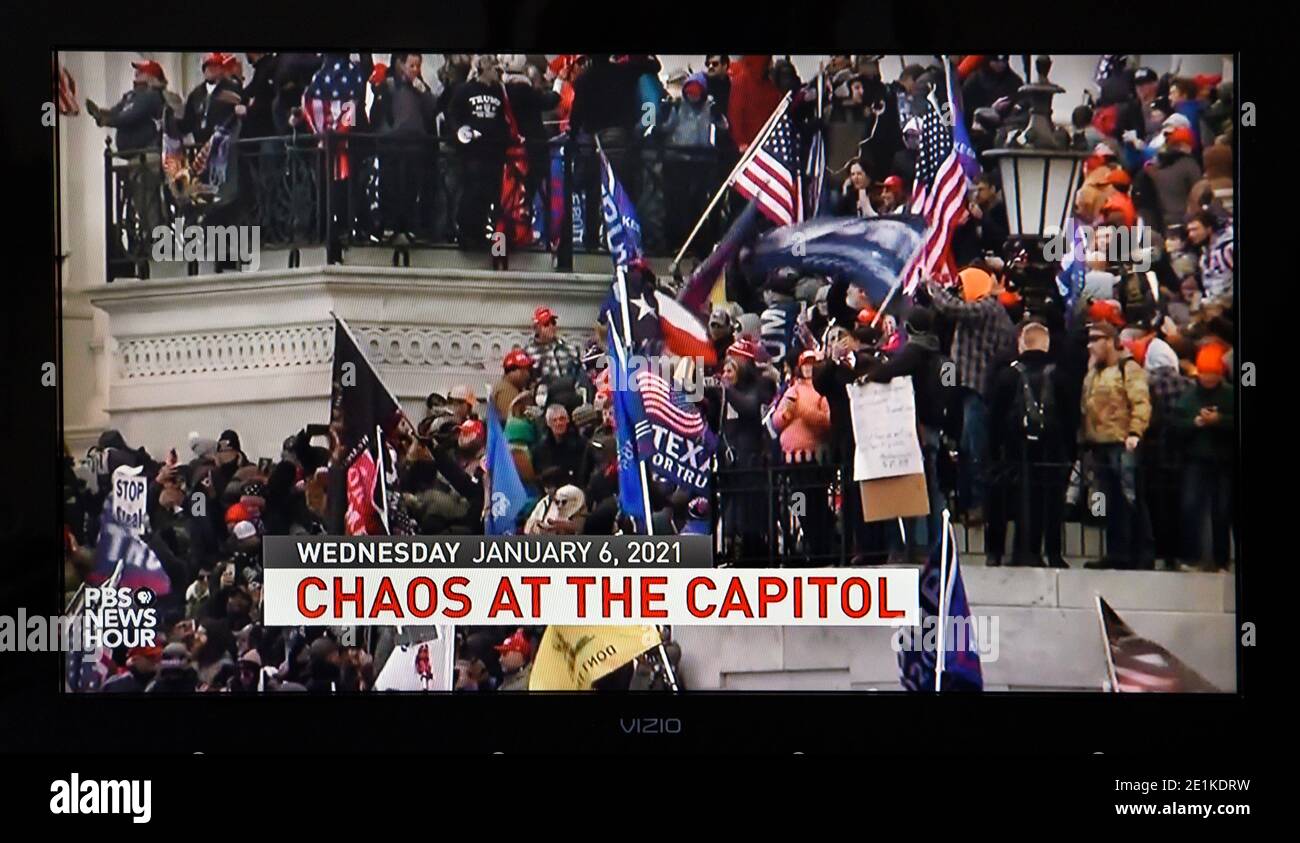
(658, 322)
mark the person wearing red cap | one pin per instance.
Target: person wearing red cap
(517, 371)
(136, 119)
(1205, 415)
(891, 195)
(516, 655)
(554, 359)
(1161, 189)
(212, 102)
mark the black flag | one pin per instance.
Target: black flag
(363, 414)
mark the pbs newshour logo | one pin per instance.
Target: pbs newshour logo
(120, 617)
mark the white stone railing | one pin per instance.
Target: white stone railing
(252, 351)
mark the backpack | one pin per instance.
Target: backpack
(1037, 413)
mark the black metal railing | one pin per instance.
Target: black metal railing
(353, 190)
(793, 514)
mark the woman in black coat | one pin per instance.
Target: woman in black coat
(744, 447)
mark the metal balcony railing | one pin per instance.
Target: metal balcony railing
(347, 190)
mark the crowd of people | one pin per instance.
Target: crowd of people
(1112, 403)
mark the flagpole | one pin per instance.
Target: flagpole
(627, 345)
(645, 482)
(1105, 646)
(744, 159)
(943, 593)
(382, 479)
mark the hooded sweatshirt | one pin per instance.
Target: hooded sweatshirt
(691, 123)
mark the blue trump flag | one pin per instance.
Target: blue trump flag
(1074, 267)
(506, 494)
(871, 253)
(141, 567)
(634, 434)
(918, 653)
(960, 137)
(622, 229)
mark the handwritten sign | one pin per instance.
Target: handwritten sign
(884, 430)
(128, 498)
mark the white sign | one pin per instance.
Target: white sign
(127, 497)
(884, 430)
(423, 666)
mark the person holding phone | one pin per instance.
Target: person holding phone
(1206, 416)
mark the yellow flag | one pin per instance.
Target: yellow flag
(718, 295)
(571, 658)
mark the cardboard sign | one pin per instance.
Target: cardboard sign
(894, 497)
(884, 430)
(127, 495)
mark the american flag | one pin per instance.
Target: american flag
(940, 191)
(771, 177)
(330, 101)
(668, 407)
(1143, 666)
(68, 94)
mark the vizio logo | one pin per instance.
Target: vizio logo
(650, 726)
(124, 796)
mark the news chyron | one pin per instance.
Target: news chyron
(572, 580)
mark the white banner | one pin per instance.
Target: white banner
(128, 498)
(422, 666)
(884, 430)
(586, 597)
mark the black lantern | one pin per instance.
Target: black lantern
(1040, 173)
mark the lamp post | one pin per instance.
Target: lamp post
(1040, 175)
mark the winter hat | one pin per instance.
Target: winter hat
(201, 446)
(174, 657)
(585, 416)
(1209, 359)
(975, 283)
(1160, 356)
(1181, 135)
(112, 439)
(245, 530)
(251, 657)
(744, 348)
(520, 432)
